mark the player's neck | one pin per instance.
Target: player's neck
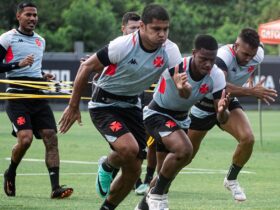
(25, 32)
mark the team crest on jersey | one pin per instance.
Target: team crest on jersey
(170, 124)
(21, 120)
(251, 69)
(204, 89)
(38, 42)
(115, 126)
(158, 61)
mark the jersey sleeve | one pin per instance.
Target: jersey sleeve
(174, 54)
(116, 50)
(5, 40)
(260, 55)
(219, 82)
(224, 57)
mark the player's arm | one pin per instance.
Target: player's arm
(72, 113)
(259, 91)
(5, 67)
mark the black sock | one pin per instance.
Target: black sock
(138, 183)
(12, 168)
(233, 172)
(161, 185)
(149, 175)
(143, 204)
(108, 206)
(107, 167)
(54, 177)
(115, 172)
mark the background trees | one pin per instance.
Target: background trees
(96, 22)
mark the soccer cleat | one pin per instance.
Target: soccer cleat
(142, 189)
(103, 180)
(237, 192)
(62, 192)
(157, 202)
(142, 205)
(9, 184)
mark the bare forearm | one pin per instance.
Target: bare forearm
(238, 91)
(79, 84)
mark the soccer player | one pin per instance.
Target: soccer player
(166, 117)
(133, 63)
(238, 61)
(22, 50)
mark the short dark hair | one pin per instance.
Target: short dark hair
(250, 36)
(130, 16)
(22, 5)
(206, 42)
(154, 11)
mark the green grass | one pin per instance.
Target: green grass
(189, 191)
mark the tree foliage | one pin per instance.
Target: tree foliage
(97, 22)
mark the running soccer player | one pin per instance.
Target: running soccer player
(133, 63)
(238, 61)
(166, 117)
(22, 49)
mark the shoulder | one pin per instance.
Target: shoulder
(173, 53)
(124, 41)
(260, 55)
(216, 72)
(226, 52)
(5, 38)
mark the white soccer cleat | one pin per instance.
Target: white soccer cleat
(237, 192)
(157, 202)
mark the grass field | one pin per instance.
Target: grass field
(198, 187)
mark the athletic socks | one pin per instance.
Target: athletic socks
(233, 172)
(12, 168)
(54, 177)
(138, 183)
(108, 206)
(107, 167)
(161, 184)
(149, 175)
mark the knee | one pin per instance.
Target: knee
(184, 152)
(48, 134)
(248, 140)
(129, 153)
(25, 141)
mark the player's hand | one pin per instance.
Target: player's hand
(69, 116)
(48, 76)
(223, 102)
(181, 82)
(27, 61)
(265, 94)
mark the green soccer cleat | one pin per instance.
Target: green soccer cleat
(142, 189)
(103, 181)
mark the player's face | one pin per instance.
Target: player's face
(27, 19)
(244, 52)
(203, 61)
(154, 34)
(130, 27)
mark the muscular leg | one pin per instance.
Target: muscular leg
(50, 140)
(127, 149)
(24, 140)
(242, 132)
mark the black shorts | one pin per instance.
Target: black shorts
(158, 125)
(30, 114)
(207, 123)
(115, 122)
